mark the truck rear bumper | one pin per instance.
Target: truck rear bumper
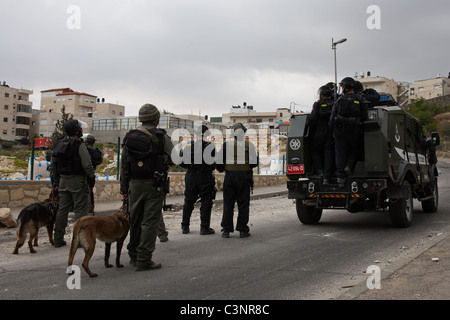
(314, 189)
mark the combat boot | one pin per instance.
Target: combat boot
(204, 231)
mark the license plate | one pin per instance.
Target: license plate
(296, 169)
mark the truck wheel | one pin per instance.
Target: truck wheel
(431, 205)
(401, 210)
(307, 214)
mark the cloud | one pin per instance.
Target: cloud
(208, 55)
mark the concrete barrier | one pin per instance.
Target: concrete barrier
(20, 193)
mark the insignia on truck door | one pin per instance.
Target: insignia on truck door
(295, 144)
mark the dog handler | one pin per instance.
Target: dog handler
(70, 169)
(141, 183)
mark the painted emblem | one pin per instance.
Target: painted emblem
(397, 135)
(295, 144)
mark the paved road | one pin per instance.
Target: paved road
(282, 260)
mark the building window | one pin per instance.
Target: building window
(5, 131)
(113, 111)
(412, 91)
(5, 119)
(436, 87)
(421, 89)
(281, 114)
(6, 107)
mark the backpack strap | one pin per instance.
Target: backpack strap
(142, 129)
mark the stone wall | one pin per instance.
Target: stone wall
(20, 193)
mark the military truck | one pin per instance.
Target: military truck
(396, 164)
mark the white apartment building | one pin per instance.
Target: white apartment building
(16, 112)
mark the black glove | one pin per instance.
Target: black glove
(91, 182)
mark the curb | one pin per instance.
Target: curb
(386, 273)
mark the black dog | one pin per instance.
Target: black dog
(32, 218)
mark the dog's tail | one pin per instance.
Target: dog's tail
(20, 236)
(75, 242)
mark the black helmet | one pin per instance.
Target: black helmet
(237, 126)
(347, 83)
(200, 130)
(358, 86)
(72, 127)
(325, 91)
(330, 85)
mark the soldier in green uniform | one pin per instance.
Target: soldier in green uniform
(238, 157)
(72, 174)
(145, 159)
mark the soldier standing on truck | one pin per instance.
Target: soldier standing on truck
(322, 148)
(347, 116)
(370, 95)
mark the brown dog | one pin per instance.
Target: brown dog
(108, 229)
(32, 218)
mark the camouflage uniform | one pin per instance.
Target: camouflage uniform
(145, 200)
(72, 188)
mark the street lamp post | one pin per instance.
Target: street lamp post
(333, 47)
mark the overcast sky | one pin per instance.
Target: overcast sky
(203, 56)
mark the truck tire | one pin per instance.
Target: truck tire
(431, 205)
(401, 210)
(307, 214)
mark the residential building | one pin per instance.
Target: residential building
(248, 116)
(76, 103)
(109, 130)
(83, 106)
(108, 110)
(430, 88)
(16, 112)
(398, 90)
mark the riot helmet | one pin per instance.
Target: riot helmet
(325, 91)
(347, 83)
(72, 127)
(148, 112)
(89, 138)
(358, 87)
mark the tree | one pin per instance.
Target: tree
(59, 133)
(425, 112)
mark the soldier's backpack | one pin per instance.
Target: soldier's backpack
(67, 157)
(145, 153)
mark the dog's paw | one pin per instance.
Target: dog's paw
(107, 265)
(119, 265)
(93, 275)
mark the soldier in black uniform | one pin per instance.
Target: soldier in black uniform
(348, 114)
(96, 159)
(199, 180)
(322, 150)
(370, 95)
